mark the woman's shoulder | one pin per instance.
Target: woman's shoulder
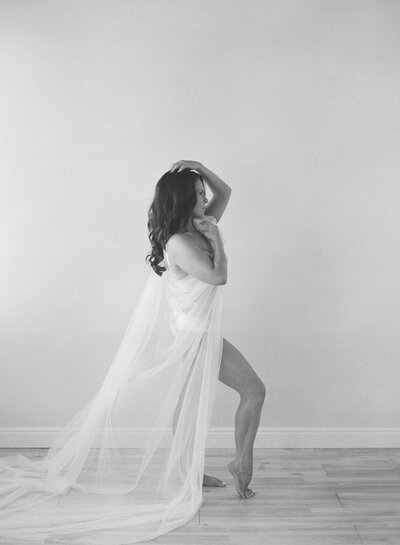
(189, 241)
(178, 240)
(177, 243)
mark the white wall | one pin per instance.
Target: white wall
(295, 104)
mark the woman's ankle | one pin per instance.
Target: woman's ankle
(244, 462)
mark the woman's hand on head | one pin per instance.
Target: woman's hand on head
(191, 165)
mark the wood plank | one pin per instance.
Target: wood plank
(303, 496)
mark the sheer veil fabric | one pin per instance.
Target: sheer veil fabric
(120, 472)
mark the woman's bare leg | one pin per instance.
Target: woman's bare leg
(237, 373)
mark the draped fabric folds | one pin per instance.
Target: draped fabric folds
(129, 466)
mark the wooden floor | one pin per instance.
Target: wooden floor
(303, 497)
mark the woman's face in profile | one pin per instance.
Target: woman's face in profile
(198, 210)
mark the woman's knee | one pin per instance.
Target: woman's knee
(263, 390)
(237, 373)
(256, 392)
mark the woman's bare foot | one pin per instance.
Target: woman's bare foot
(242, 480)
(209, 480)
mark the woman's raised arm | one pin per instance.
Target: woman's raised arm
(221, 191)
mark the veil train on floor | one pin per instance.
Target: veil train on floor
(119, 472)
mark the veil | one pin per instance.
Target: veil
(129, 465)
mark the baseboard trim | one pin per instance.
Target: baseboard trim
(225, 437)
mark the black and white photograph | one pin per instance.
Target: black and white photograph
(199, 272)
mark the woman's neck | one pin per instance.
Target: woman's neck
(189, 225)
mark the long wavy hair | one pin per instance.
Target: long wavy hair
(174, 199)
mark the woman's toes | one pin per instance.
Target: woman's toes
(249, 493)
(209, 480)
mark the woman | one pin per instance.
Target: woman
(195, 247)
(130, 465)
